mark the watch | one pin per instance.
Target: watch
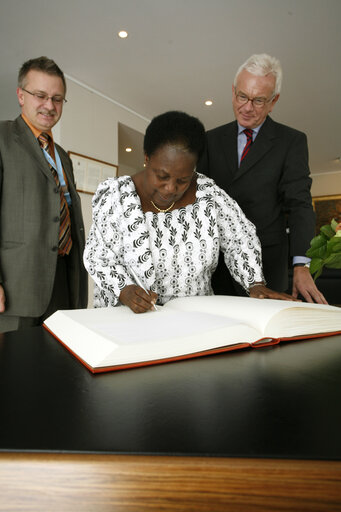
(307, 265)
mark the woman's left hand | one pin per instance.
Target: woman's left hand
(260, 291)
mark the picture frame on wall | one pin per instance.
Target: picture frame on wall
(90, 172)
(326, 209)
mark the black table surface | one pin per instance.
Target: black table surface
(282, 401)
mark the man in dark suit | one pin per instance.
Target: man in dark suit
(41, 225)
(263, 165)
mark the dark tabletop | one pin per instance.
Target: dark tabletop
(282, 401)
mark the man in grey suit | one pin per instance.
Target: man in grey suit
(41, 225)
(263, 165)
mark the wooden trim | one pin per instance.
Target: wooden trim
(326, 198)
(84, 482)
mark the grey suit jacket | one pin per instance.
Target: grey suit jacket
(29, 224)
(272, 186)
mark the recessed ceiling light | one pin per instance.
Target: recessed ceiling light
(128, 150)
(123, 34)
(208, 103)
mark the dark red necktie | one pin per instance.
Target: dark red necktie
(246, 149)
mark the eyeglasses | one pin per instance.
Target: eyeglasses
(242, 99)
(43, 97)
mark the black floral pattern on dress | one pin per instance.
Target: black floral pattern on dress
(174, 253)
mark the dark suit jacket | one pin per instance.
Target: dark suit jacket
(29, 224)
(272, 186)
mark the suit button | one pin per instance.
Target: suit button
(55, 248)
(56, 219)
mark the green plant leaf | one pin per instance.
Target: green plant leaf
(325, 249)
(333, 224)
(318, 247)
(333, 261)
(318, 273)
(334, 245)
(315, 265)
(328, 230)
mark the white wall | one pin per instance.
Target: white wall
(89, 124)
(124, 170)
(326, 184)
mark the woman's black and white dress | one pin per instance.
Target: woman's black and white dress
(173, 253)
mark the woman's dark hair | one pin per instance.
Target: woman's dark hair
(175, 128)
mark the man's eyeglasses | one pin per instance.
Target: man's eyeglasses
(242, 99)
(41, 96)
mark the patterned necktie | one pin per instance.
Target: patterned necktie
(246, 149)
(65, 241)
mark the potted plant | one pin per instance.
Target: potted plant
(325, 249)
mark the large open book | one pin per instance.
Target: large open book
(116, 338)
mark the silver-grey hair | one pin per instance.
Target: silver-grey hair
(262, 65)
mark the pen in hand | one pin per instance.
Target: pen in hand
(139, 282)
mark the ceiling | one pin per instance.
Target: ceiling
(181, 52)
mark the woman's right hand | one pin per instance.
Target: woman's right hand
(137, 299)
